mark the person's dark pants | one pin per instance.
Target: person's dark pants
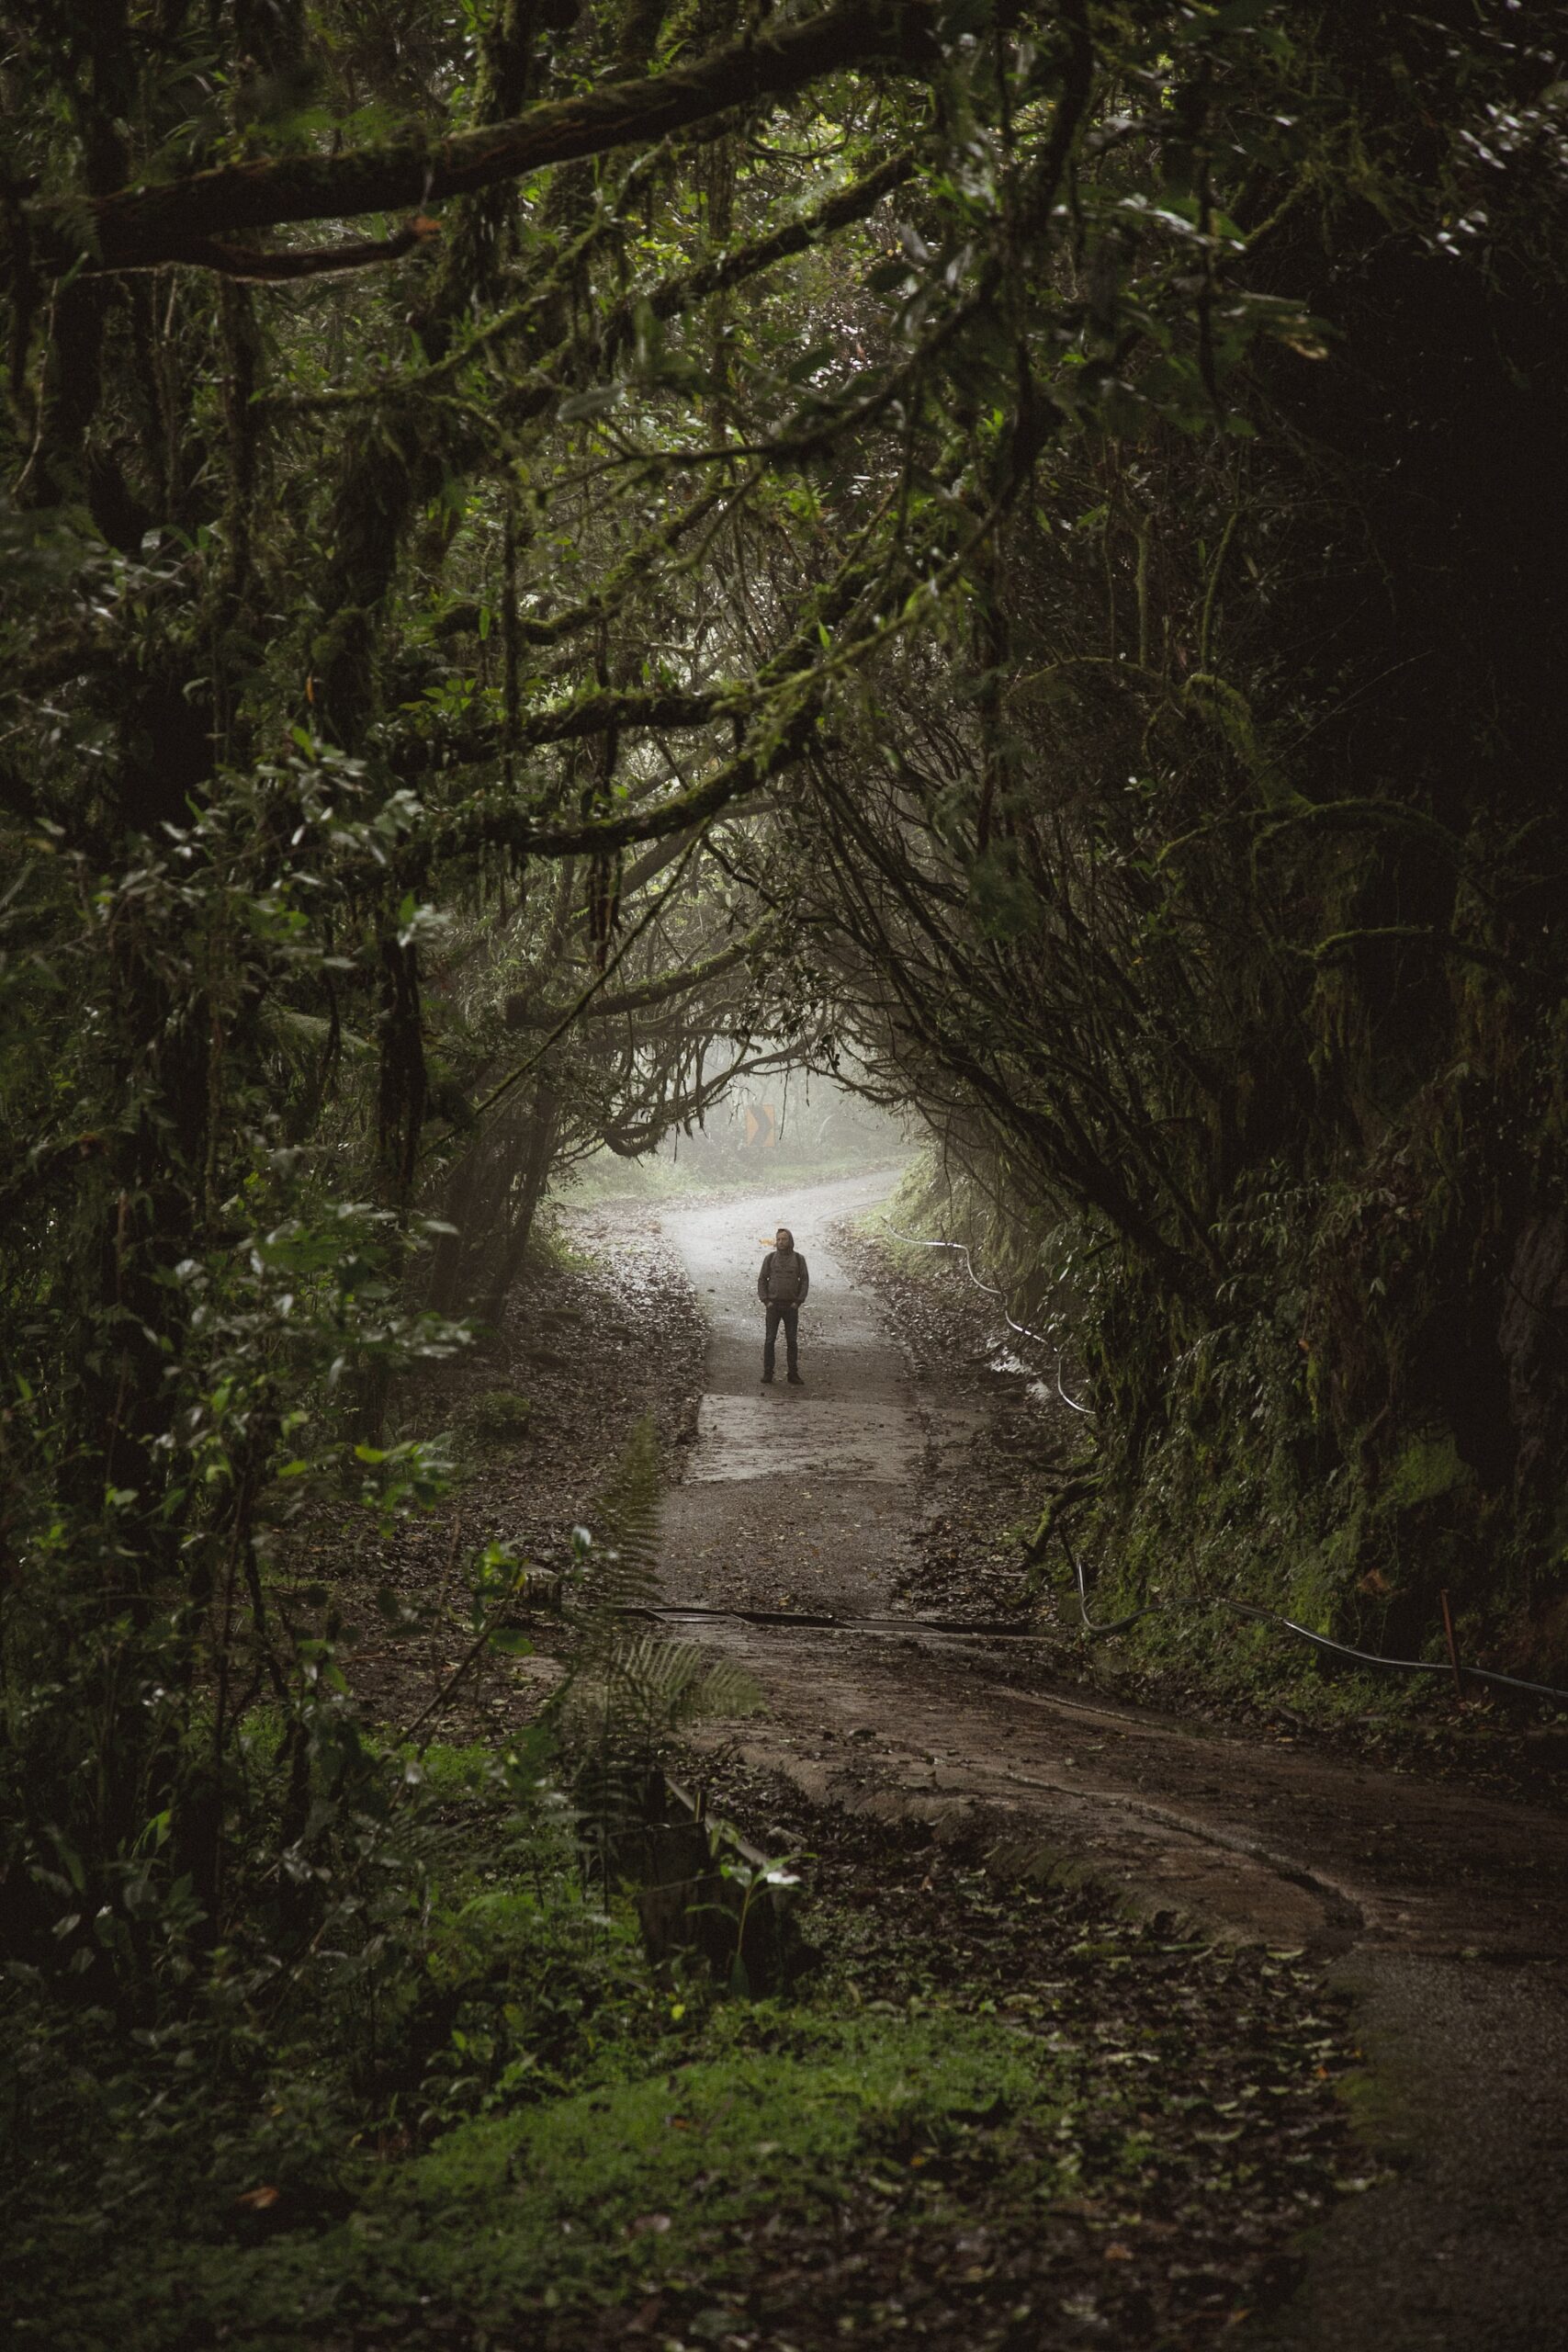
(790, 1318)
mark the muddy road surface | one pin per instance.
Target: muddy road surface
(804, 1497)
(1444, 1913)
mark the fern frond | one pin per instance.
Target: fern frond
(676, 1683)
(646, 1688)
(621, 1572)
(629, 1692)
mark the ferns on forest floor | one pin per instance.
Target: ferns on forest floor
(630, 1691)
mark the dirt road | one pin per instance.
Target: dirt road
(1445, 1914)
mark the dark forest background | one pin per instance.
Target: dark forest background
(558, 557)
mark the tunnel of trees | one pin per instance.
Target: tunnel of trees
(560, 553)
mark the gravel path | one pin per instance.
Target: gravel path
(1444, 1913)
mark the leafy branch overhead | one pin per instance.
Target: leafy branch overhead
(148, 226)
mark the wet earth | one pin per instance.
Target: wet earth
(1442, 1911)
(794, 1497)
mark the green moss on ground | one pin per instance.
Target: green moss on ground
(604, 2197)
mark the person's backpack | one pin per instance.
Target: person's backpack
(777, 1298)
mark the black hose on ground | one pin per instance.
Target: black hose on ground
(1250, 1611)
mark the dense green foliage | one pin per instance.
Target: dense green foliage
(1010, 546)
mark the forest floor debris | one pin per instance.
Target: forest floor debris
(991, 2115)
(604, 1332)
(979, 1510)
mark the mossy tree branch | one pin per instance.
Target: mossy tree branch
(145, 228)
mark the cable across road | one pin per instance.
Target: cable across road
(985, 1629)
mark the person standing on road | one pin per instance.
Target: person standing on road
(781, 1286)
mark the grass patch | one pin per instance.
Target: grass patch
(598, 2200)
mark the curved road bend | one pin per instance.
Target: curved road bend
(1446, 1915)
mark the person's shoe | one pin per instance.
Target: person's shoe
(767, 1380)
(796, 1380)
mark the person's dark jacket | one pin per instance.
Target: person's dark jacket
(785, 1279)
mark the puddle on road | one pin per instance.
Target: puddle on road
(764, 1437)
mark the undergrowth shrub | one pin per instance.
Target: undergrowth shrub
(1301, 1438)
(500, 1417)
